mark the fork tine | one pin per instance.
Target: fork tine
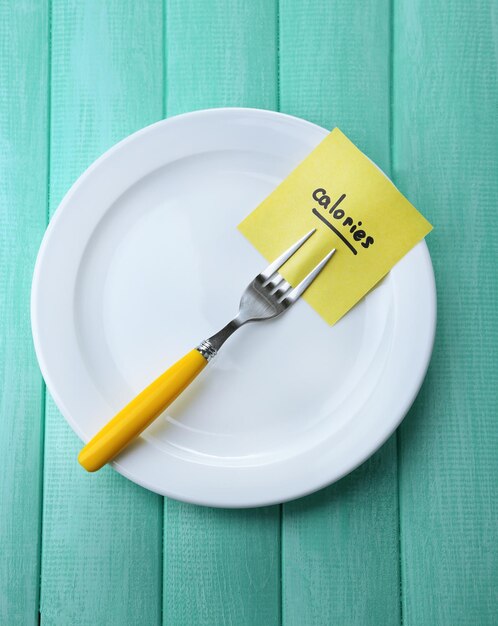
(277, 264)
(291, 296)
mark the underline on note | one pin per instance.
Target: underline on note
(339, 234)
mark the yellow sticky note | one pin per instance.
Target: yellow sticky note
(354, 208)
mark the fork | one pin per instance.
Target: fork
(267, 296)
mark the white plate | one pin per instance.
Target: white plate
(126, 282)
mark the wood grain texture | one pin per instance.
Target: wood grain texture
(446, 160)
(23, 210)
(221, 567)
(335, 69)
(220, 53)
(340, 561)
(102, 535)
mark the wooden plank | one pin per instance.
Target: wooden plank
(335, 69)
(23, 210)
(221, 567)
(221, 53)
(340, 546)
(446, 160)
(340, 550)
(102, 535)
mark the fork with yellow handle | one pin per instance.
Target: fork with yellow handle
(267, 296)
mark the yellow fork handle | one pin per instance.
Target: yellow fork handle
(141, 412)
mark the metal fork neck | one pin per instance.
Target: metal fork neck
(218, 339)
(209, 348)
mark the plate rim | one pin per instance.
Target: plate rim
(359, 459)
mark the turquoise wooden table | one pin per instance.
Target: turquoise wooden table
(409, 538)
